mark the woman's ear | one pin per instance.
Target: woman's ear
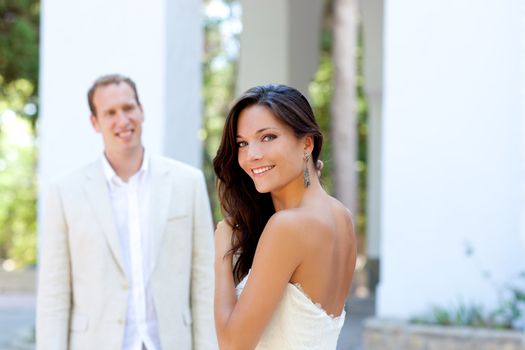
(308, 144)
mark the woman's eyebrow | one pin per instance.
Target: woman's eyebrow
(260, 130)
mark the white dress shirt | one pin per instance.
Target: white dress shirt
(130, 204)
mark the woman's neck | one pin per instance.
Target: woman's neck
(295, 194)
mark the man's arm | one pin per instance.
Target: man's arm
(202, 279)
(54, 280)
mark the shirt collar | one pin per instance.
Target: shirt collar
(112, 177)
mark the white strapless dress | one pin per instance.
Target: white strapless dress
(298, 323)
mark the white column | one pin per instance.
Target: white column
(183, 80)
(372, 25)
(452, 152)
(279, 43)
(156, 43)
(522, 95)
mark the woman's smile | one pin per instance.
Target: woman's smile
(262, 170)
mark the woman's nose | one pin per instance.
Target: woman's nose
(254, 152)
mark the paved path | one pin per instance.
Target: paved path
(351, 334)
(17, 319)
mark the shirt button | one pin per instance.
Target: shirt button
(125, 287)
(120, 322)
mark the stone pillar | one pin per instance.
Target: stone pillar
(183, 80)
(522, 98)
(451, 153)
(372, 25)
(158, 44)
(279, 43)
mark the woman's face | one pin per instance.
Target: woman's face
(268, 150)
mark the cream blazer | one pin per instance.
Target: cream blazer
(82, 286)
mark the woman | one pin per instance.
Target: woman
(291, 245)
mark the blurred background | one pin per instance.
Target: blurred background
(421, 103)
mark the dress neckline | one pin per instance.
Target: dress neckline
(300, 291)
(299, 288)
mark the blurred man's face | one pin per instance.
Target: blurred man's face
(118, 118)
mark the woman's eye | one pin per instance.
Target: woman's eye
(269, 137)
(241, 144)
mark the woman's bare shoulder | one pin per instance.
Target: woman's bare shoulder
(288, 220)
(343, 212)
(288, 228)
(296, 224)
(297, 219)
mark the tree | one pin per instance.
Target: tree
(344, 103)
(221, 42)
(19, 25)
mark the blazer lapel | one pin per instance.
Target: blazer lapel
(98, 195)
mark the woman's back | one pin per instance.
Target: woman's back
(329, 249)
(311, 313)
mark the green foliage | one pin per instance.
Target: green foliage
(510, 313)
(19, 29)
(320, 90)
(19, 36)
(219, 72)
(18, 96)
(17, 190)
(362, 134)
(466, 315)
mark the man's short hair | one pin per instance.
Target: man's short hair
(107, 80)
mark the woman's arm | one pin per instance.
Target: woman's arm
(225, 298)
(240, 323)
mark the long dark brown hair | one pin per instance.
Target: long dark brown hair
(245, 209)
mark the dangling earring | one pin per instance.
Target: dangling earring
(306, 174)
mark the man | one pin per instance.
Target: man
(126, 254)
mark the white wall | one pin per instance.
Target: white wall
(452, 152)
(522, 98)
(157, 43)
